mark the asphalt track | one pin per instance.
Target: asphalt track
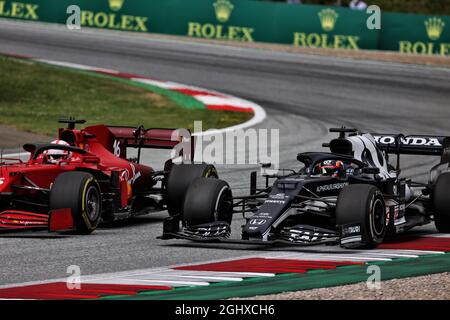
(303, 96)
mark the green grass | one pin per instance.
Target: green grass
(34, 96)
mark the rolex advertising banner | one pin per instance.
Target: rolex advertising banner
(246, 20)
(420, 34)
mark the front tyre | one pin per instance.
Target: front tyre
(180, 178)
(441, 201)
(361, 216)
(80, 192)
(207, 201)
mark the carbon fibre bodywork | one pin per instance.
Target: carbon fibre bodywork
(301, 207)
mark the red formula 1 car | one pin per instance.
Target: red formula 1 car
(85, 177)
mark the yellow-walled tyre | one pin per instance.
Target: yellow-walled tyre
(80, 192)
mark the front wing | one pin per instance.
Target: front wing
(219, 232)
(55, 220)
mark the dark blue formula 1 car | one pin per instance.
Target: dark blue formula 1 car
(350, 196)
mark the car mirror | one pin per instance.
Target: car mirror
(266, 165)
(29, 147)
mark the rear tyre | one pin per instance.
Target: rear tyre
(208, 200)
(441, 200)
(180, 178)
(78, 191)
(361, 216)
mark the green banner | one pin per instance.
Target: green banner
(419, 34)
(248, 21)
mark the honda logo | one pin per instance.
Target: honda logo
(258, 222)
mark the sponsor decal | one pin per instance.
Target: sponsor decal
(132, 176)
(19, 10)
(258, 222)
(277, 196)
(328, 162)
(410, 141)
(116, 5)
(351, 230)
(393, 209)
(223, 10)
(328, 19)
(330, 187)
(114, 20)
(434, 28)
(135, 175)
(265, 215)
(275, 201)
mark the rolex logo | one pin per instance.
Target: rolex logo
(328, 18)
(116, 5)
(434, 27)
(223, 10)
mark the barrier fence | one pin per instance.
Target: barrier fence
(249, 21)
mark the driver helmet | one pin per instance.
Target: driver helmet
(334, 168)
(54, 155)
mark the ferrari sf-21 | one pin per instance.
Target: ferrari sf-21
(84, 177)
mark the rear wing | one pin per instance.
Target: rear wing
(415, 145)
(150, 138)
(118, 138)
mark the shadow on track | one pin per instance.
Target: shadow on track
(136, 221)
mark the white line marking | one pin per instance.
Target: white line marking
(423, 252)
(161, 84)
(75, 66)
(438, 235)
(173, 282)
(220, 101)
(229, 274)
(392, 255)
(177, 277)
(218, 279)
(363, 258)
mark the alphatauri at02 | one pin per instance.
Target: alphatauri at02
(350, 196)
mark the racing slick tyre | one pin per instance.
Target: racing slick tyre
(80, 192)
(441, 200)
(208, 200)
(179, 180)
(361, 216)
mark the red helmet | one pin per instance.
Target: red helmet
(335, 168)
